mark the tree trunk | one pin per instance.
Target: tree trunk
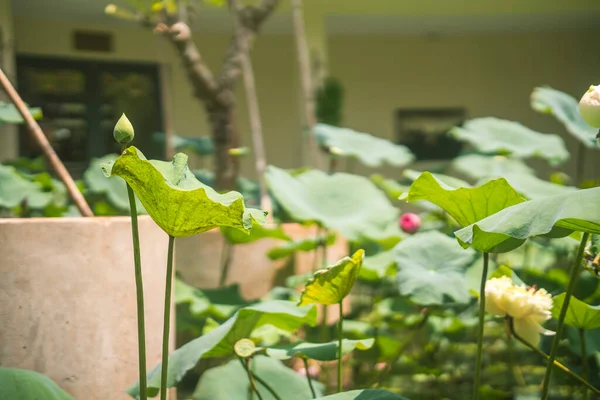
(225, 137)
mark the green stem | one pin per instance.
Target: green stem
(323, 246)
(312, 389)
(166, 322)
(484, 273)
(246, 365)
(266, 385)
(139, 287)
(563, 312)
(340, 336)
(225, 262)
(585, 369)
(554, 363)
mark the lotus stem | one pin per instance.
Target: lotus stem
(246, 366)
(340, 336)
(563, 312)
(225, 261)
(585, 368)
(310, 384)
(167, 321)
(484, 273)
(139, 288)
(554, 363)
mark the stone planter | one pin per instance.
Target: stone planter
(198, 261)
(69, 304)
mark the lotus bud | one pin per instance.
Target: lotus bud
(410, 223)
(589, 106)
(239, 151)
(123, 132)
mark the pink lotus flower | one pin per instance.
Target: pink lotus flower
(410, 223)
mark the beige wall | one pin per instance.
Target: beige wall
(488, 74)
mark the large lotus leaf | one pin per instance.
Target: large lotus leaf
(580, 315)
(258, 232)
(564, 108)
(218, 303)
(451, 181)
(532, 187)
(370, 150)
(317, 351)
(389, 186)
(21, 384)
(179, 203)
(230, 382)
(15, 188)
(307, 244)
(364, 394)
(477, 166)
(554, 216)
(465, 205)
(113, 188)
(53, 186)
(201, 146)
(10, 115)
(332, 284)
(378, 266)
(349, 204)
(220, 341)
(431, 267)
(498, 136)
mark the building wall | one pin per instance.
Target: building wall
(487, 74)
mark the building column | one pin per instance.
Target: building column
(9, 141)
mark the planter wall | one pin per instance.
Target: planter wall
(69, 304)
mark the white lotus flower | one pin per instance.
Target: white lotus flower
(589, 106)
(528, 306)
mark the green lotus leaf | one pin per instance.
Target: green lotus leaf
(532, 187)
(230, 381)
(317, 351)
(10, 115)
(378, 266)
(389, 186)
(258, 232)
(201, 146)
(450, 181)
(370, 150)
(346, 203)
(179, 203)
(465, 205)
(29, 165)
(431, 268)
(220, 341)
(15, 188)
(554, 216)
(364, 394)
(23, 384)
(580, 315)
(249, 188)
(332, 284)
(307, 244)
(476, 166)
(564, 108)
(498, 136)
(113, 188)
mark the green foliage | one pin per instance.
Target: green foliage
(497, 136)
(378, 266)
(431, 269)
(179, 203)
(317, 351)
(532, 187)
(329, 102)
(475, 166)
(580, 315)
(330, 285)
(10, 115)
(15, 188)
(293, 246)
(364, 394)
(29, 385)
(370, 150)
(346, 203)
(555, 216)
(219, 342)
(201, 146)
(258, 232)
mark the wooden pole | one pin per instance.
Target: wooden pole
(43, 142)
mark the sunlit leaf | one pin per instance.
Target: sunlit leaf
(364, 394)
(230, 381)
(580, 315)
(349, 204)
(317, 351)
(307, 244)
(22, 384)
(431, 268)
(220, 341)
(497, 136)
(179, 203)
(465, 205)
(370, 150)
(564, 108)
(476, 166)
(332, 284)
(554, 216)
